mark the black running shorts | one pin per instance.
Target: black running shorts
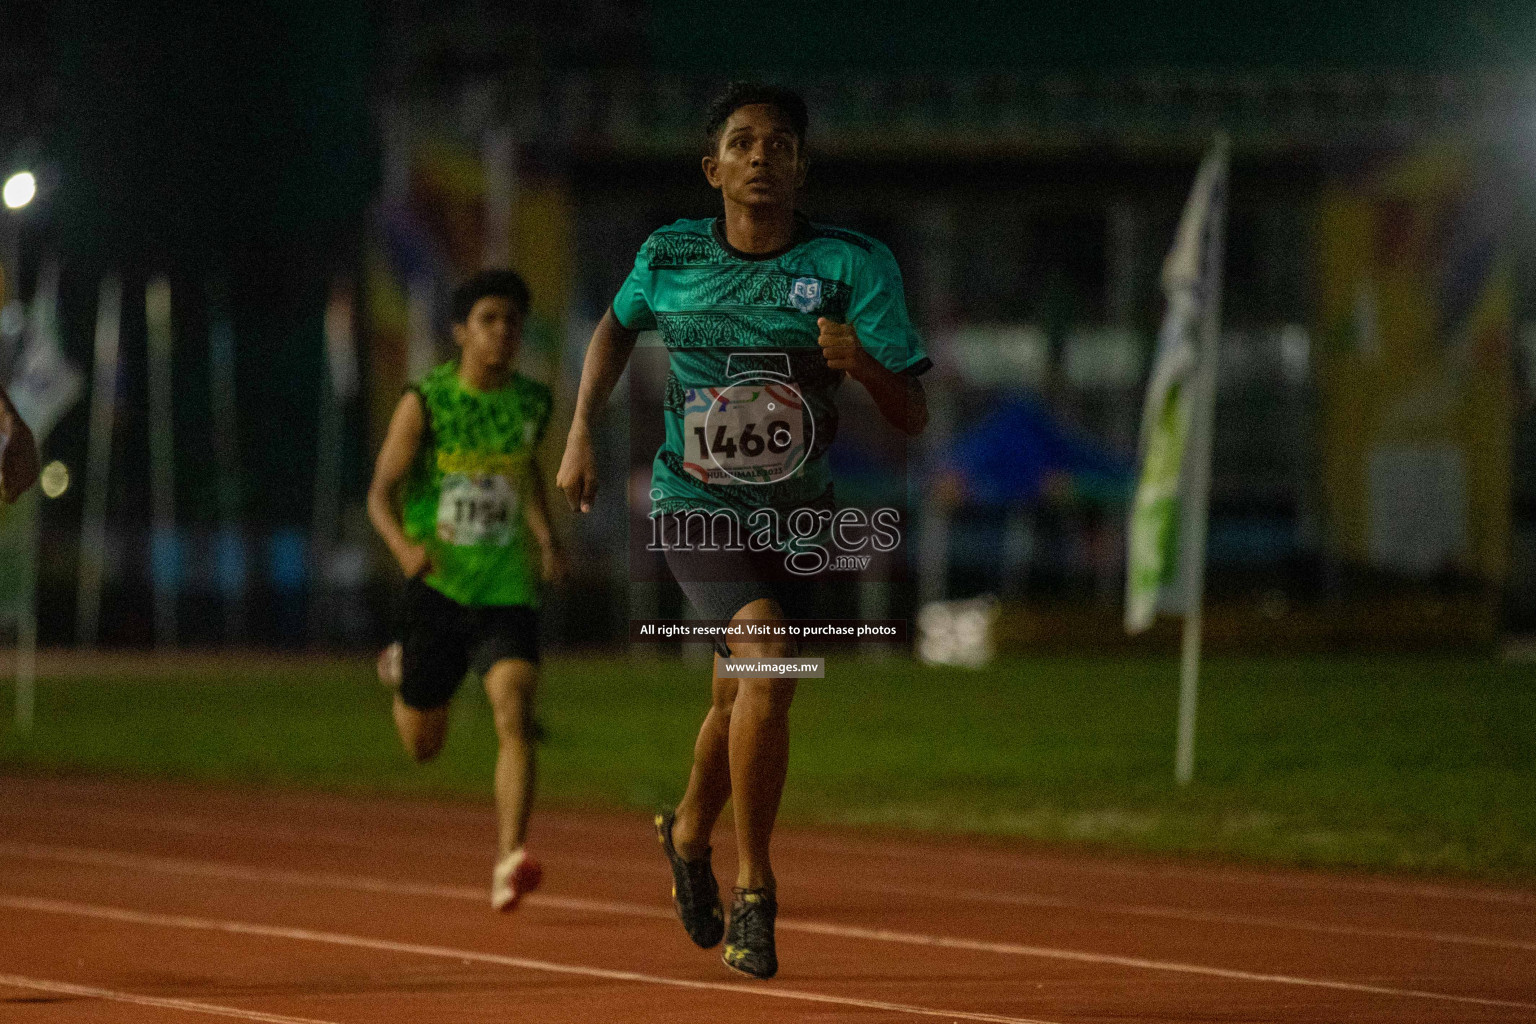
(722, 582)
(441, 640)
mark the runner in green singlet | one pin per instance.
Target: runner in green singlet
(474, 540)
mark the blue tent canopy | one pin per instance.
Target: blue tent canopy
(1013, 454)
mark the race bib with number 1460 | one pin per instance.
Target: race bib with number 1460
(746, 433)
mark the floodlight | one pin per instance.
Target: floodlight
(19, 189)
(54, 479)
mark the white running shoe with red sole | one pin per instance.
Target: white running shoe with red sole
(516, 876)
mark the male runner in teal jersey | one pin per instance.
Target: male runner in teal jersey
(463, 440)
(762, 294)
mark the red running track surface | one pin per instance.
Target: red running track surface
(136, 902)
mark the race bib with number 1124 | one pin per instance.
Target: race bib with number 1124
(475, 509)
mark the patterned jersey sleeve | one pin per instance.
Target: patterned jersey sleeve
(632, 305)
(879, 313)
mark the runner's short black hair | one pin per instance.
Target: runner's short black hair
(506, 283)
(745, 94)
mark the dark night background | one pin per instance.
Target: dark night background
(242, 143)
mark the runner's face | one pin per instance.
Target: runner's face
(758, 160)
(492, 332)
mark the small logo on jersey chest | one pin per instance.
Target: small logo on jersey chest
(805, 294)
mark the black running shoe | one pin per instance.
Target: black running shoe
(693, 889)
(749, 939)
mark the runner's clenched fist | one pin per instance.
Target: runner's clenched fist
(840, 347)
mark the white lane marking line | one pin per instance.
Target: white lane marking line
(787, 924)
(357, 883)
(1092, 867)
(1202, 916)
(344, 839)
(103, 858)
(792, 838)
(207, 826)
(1076, 956)
(48, 906)
(91, 992)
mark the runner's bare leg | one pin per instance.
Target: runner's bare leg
(759, 750)
(510, 684)
(709, 781)
(421, 732)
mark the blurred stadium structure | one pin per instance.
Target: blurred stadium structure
(303, 175)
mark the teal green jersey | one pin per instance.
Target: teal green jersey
(465, 491)
(750, 404)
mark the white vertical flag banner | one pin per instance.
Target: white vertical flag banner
(43, 386)
(1165, 565)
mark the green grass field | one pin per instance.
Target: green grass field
(1406, 764)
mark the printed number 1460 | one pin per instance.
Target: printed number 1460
(749, 443)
